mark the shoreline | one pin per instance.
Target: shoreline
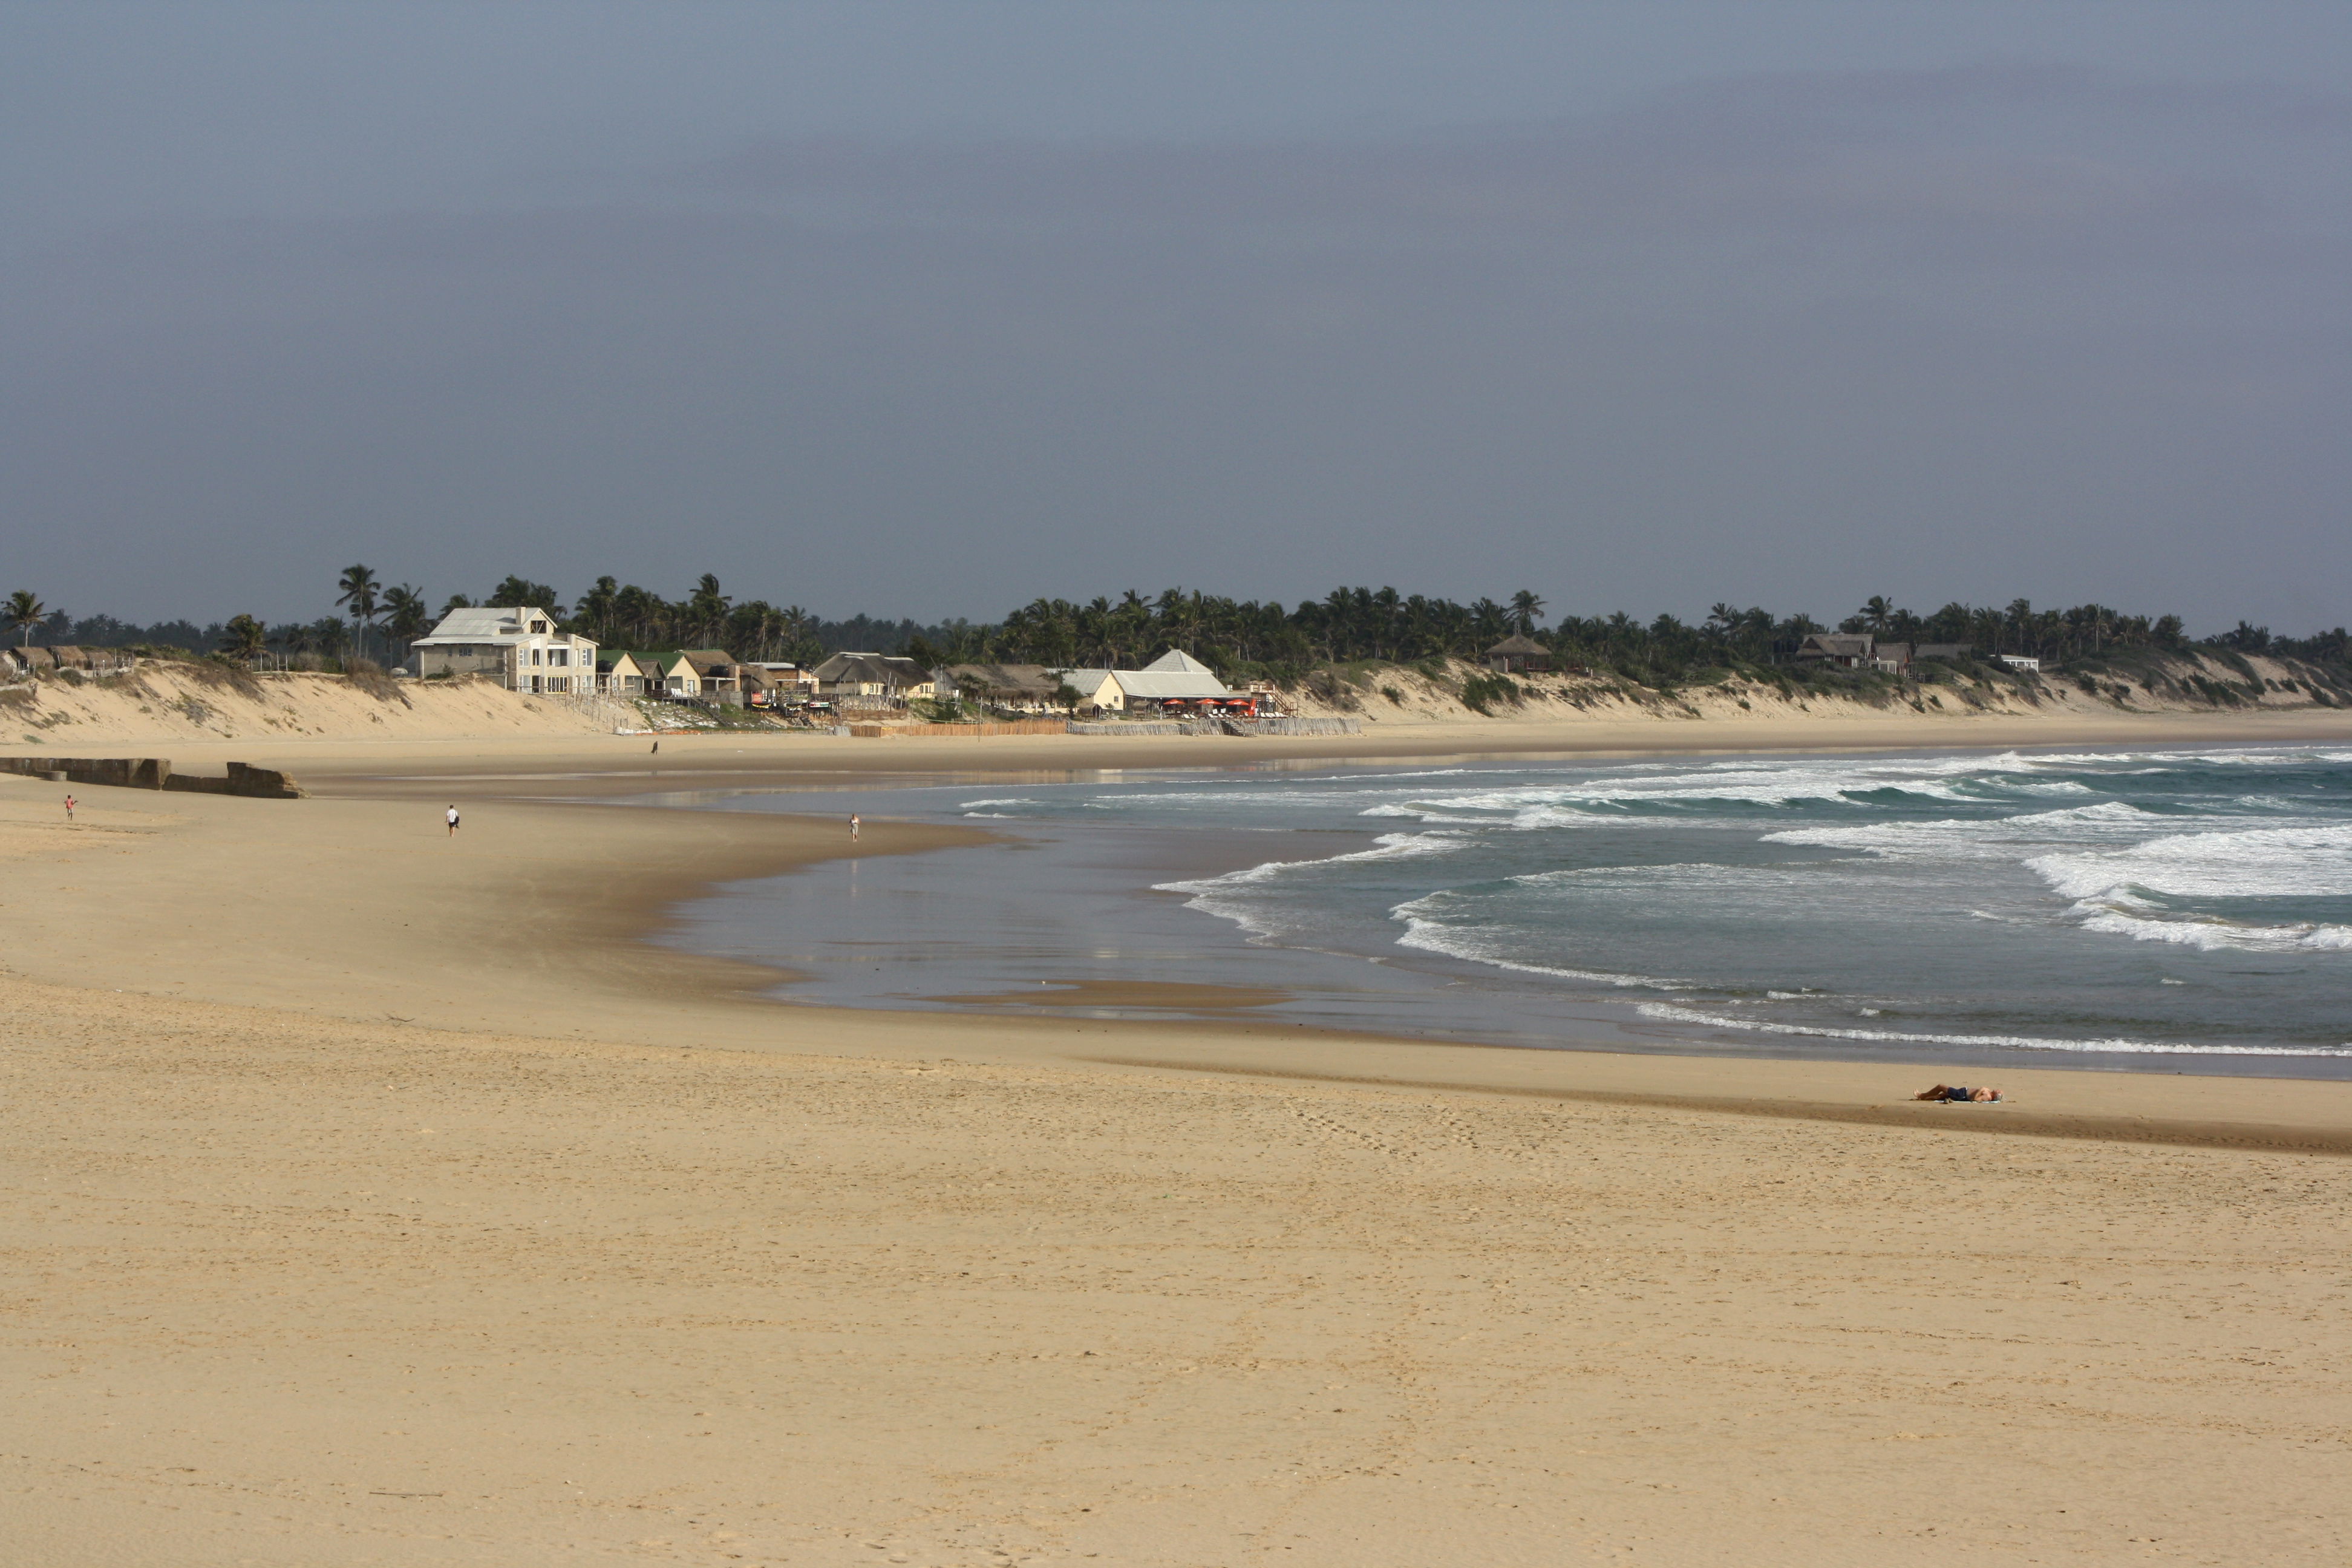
(620, 876)
(1094, 867)
(585, 766)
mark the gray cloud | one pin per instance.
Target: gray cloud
(1790, 338)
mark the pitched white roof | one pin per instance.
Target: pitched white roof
(1158, 684)
(486, 624)
(1176, 661)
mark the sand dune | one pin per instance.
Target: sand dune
(183, 704)
(202, 711)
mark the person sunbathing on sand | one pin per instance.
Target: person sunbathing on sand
(1954, 1091)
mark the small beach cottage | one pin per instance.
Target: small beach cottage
(1518, 655)
(1842, 650)
(669, 673)
(1097, 689)
(872, 680)
(1028, 687)
(1174, 682)
(718, 678)
(618, 674)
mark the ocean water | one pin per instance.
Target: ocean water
(2187, 909)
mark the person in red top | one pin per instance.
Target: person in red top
(69, 805)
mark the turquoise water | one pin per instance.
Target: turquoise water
(2157, 910)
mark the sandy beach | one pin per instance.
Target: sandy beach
(381, 1196)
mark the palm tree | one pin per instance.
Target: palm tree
(707, 610)
(1877, 612)
(763, 622)
(2019, 619)
(596, 606)
(246, 637)
(1527, 609)
(405, 617)
(519, 592)
(26, 611)
(800, 645)
(358, 586)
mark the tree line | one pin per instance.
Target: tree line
(1240, 638)
(1268, 640)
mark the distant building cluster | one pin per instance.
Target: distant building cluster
(1861, 650)
(29, 660)
(521, 648)
(1175, 683)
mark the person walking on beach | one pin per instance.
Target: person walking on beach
(853, 825)
(656, 750)
(453, 820)
(69, 805)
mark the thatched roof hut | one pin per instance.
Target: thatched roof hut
(1007, 685)
(1518, 653)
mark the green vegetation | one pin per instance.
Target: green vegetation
(244, 638)
(26, 611)
(1482, 693)
(1339, 649)
(357, 593)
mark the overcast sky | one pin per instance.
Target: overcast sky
(932, 308)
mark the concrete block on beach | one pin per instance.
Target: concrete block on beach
(155, 773)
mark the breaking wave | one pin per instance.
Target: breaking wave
(2258, 863)
(1225, 897)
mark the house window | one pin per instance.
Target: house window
(559, 657)
(539, 628)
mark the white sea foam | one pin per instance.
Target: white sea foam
(2017, 1042)
(2053, 787)
(2234, 756)
(977, 807)
(2257, 863)
(1745, 783)
(1455, 942)
(1978, 837)
(1225, 896)
(1702, 877)
(2272, 803)
(2213, 935)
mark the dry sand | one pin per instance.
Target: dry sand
(380, 1197)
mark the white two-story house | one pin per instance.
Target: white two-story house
(518, 647)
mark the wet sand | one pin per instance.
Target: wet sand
(378, 1197)
(609, 766)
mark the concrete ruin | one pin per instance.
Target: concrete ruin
(155, 773)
